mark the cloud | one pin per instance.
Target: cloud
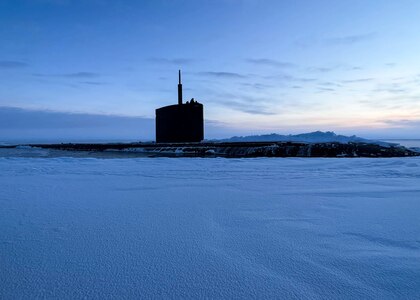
(323, 89)
(403, 123)
(24, 124)
(289, 78)
(350, 39)
(77, 75)
(257, 111)
(244, 103)
(357, 80)
(321, 69)
(329, 84)
(81, 75)
(170, 61)
(306, 42)
(270, 62)
(59, 2)
(53, 2)
(325, 69)
(92, 82)
(222, 74)
(12, 64)
(257, 86)
(392, 90)
(248, 107)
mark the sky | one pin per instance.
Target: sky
(98, 69)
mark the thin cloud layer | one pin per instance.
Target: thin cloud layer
(81, 75)
(12, 64)
(170, 61)
(350, 39)
(76, 75)
(18, 123)
(347, 40)
(404, 123)
(271, 62)
(222, 74)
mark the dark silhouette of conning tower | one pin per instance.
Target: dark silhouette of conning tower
(179, 123)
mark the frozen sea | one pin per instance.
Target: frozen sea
(191, 228)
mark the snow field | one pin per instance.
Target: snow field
(300, 228)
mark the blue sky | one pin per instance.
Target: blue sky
(257, 66)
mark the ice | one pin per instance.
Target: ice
(311, 137)
(140, 228)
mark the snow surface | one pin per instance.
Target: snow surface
(140, 228)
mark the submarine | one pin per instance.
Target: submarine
(180, 123)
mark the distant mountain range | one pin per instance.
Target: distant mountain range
(312, 137)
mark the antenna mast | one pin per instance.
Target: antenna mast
(179, 88)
